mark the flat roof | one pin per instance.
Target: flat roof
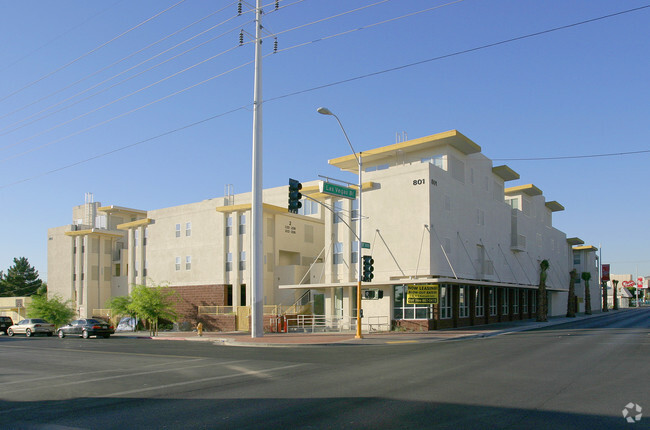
(554, 206)
(112, 209)
(585, 248)
(575, 241)
(528, 189)
(505, 173)
(452, 137)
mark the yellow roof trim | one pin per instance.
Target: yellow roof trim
(585, 248)
(575, 241)
(452, 137)
(113, 209)
(528, 189)
(247, 207)
(136, 223)
(554, 206)
(92, 231)
(505, 173)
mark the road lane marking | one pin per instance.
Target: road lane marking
(126, 375)
(194, 381)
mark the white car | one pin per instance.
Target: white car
(31, 327)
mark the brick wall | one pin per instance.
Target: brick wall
(189, 298)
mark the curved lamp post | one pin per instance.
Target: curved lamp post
(325, 111)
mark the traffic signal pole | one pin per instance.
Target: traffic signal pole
(359, 258)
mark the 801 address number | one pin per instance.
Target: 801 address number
(423, 181)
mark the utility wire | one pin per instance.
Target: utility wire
(453, 54)
(108, 67)
(32, 52)
(90, 52)
(167, 133)
(128, 112)
(115, 85)
(365, 76)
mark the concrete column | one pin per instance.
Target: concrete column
(78, 240)
(142, 256)
(328, 261)
(130, 274)
(234, 249)
(348, 239)
(86, 277)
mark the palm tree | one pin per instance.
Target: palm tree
(541, 292)
(571, 305)
(604, 290)
(615, 292)
(587, 276)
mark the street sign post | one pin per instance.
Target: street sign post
(337, 190)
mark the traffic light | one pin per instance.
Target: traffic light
(294, 196)
(367, 268)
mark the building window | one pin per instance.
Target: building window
(338, 208)
(118, 270)
(242, 224)
(229, 262)
(480, 301)
(533, 302)
(445, 302)
(355, 209)
(403, 311)
(524, 302)
(436, 160)
(146, 236)
(229, 226)
(576, 259)
(463, 302)
(144, 269)
(515, 302)
(242, 260)
(493, 301)
(188, 262)
(178, 230)
(338, 253)
(309, 207)
(188, 229)
(136, 237)
(354, 258)
(504, 301)
(178, 263)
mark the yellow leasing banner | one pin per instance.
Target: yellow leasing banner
(422, 294)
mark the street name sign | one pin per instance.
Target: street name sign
(337, 190)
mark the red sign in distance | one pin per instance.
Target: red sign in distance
(605, 270)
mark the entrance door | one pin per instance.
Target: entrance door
(319, 304)
(243, 314)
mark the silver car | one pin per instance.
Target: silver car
(31, 327)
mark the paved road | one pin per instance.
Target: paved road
(578, 375)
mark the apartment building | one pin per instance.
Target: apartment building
(436, 214)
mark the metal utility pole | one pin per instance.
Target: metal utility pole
(257, 281)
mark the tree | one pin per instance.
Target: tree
(53, 310)
(148, 303)
(21, 280)
(615, 292)
(541, 292)
(571, 304)
(586, 276)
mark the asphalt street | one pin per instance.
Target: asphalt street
(580, 375)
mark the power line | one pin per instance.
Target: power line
(89, 52)
(167, 133)
(130, 111)
(108, 67)
(453, 54)
(573, 157)
(115, 85)
(374, 74)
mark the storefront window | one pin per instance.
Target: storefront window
(480, 301)
(463, 302)
(404, 311)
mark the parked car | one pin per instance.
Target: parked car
(31, 326)
(85, 328)
(5, 323)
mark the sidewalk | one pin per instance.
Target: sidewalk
(383, 338)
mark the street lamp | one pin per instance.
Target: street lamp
(325, 111)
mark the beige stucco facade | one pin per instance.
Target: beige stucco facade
(435, 210)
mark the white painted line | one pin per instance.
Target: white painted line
(196, 381)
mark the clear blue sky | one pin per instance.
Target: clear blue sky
(582, 90)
